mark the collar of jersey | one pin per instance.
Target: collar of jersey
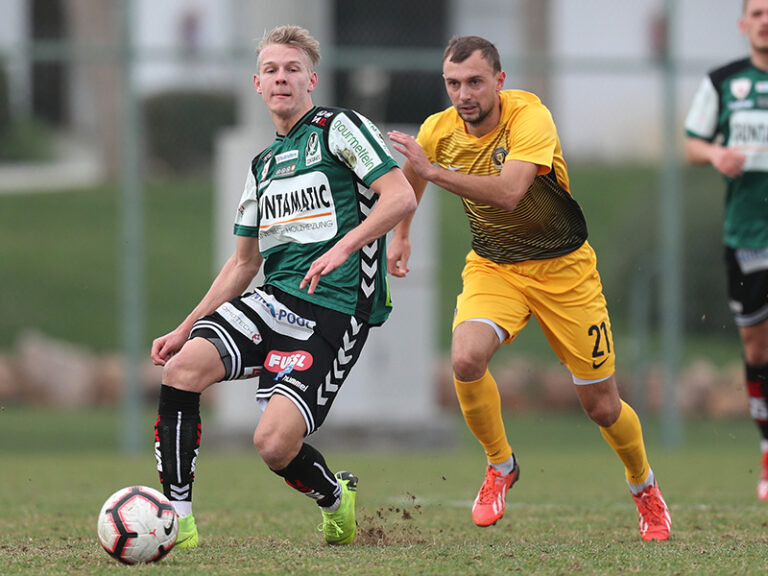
(298, 123)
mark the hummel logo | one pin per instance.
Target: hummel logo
(597, 365)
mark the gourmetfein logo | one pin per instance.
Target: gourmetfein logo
(349, 144)
(277, 361)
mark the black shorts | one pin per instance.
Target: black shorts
(747, 284)
(297, 349)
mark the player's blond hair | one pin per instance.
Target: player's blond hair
(295, 36)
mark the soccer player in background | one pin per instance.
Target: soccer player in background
(309, 216)
(498, 150)
(727, 127)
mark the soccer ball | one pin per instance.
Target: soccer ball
(137, 524)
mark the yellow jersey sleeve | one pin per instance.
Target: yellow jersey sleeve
(532, 136)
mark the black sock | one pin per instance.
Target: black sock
(309, 474)
(757, 388)
(177, 441)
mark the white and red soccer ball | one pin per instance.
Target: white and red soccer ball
(137, 524)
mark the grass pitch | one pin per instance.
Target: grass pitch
(569, 514)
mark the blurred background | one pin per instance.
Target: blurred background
(127, 127)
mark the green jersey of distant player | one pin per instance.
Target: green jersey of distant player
(731, 106)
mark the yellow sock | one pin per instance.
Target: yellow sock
(481, 405)
(625, 436)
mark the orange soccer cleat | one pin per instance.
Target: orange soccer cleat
(655, 520)
(491, 501)
(762, 484)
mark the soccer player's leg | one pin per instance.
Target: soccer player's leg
(299, 383)
(279, 439)
(624, 434)
(473, 345)
(490, 311)
(747, 272)
(178, 427)
(755, 339)
(580, 334)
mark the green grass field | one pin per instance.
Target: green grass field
(569, 514)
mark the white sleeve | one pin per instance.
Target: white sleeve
(702, 116)
(248, 209)
(361, 148)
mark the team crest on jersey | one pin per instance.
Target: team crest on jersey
(741, 87)
(499, 155)
(313, 154)
(265, 168)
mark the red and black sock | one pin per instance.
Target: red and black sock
(177, 441)
(757, 388)
(309, 474)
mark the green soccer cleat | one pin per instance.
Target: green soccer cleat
(339, 527)
(187, 537)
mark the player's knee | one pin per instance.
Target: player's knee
(756, 355)
(181, 374)
(272, 449)
(468, 365)
(603, 412)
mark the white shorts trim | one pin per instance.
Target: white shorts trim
(582, 382)
(500, 332)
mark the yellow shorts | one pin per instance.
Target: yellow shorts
(564, 294)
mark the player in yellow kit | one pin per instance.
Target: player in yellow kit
(498, 150)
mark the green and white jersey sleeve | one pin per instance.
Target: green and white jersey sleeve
(702, 118)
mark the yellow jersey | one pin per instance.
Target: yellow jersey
(547, 222)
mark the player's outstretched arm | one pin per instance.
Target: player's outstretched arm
(396, 200)
(503, 191)
(399, 249)
(234, 277)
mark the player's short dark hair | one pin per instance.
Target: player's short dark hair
(462, 47)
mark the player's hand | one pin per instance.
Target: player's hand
(326, 264)
(398, 253)
(165, 347)
(729, 161)
(408, 147)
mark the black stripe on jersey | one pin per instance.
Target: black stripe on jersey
(719, 75)
(369, 255)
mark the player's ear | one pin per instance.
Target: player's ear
(312, 82)
(500, 77)
(257, 83)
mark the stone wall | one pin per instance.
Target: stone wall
(43, 371)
